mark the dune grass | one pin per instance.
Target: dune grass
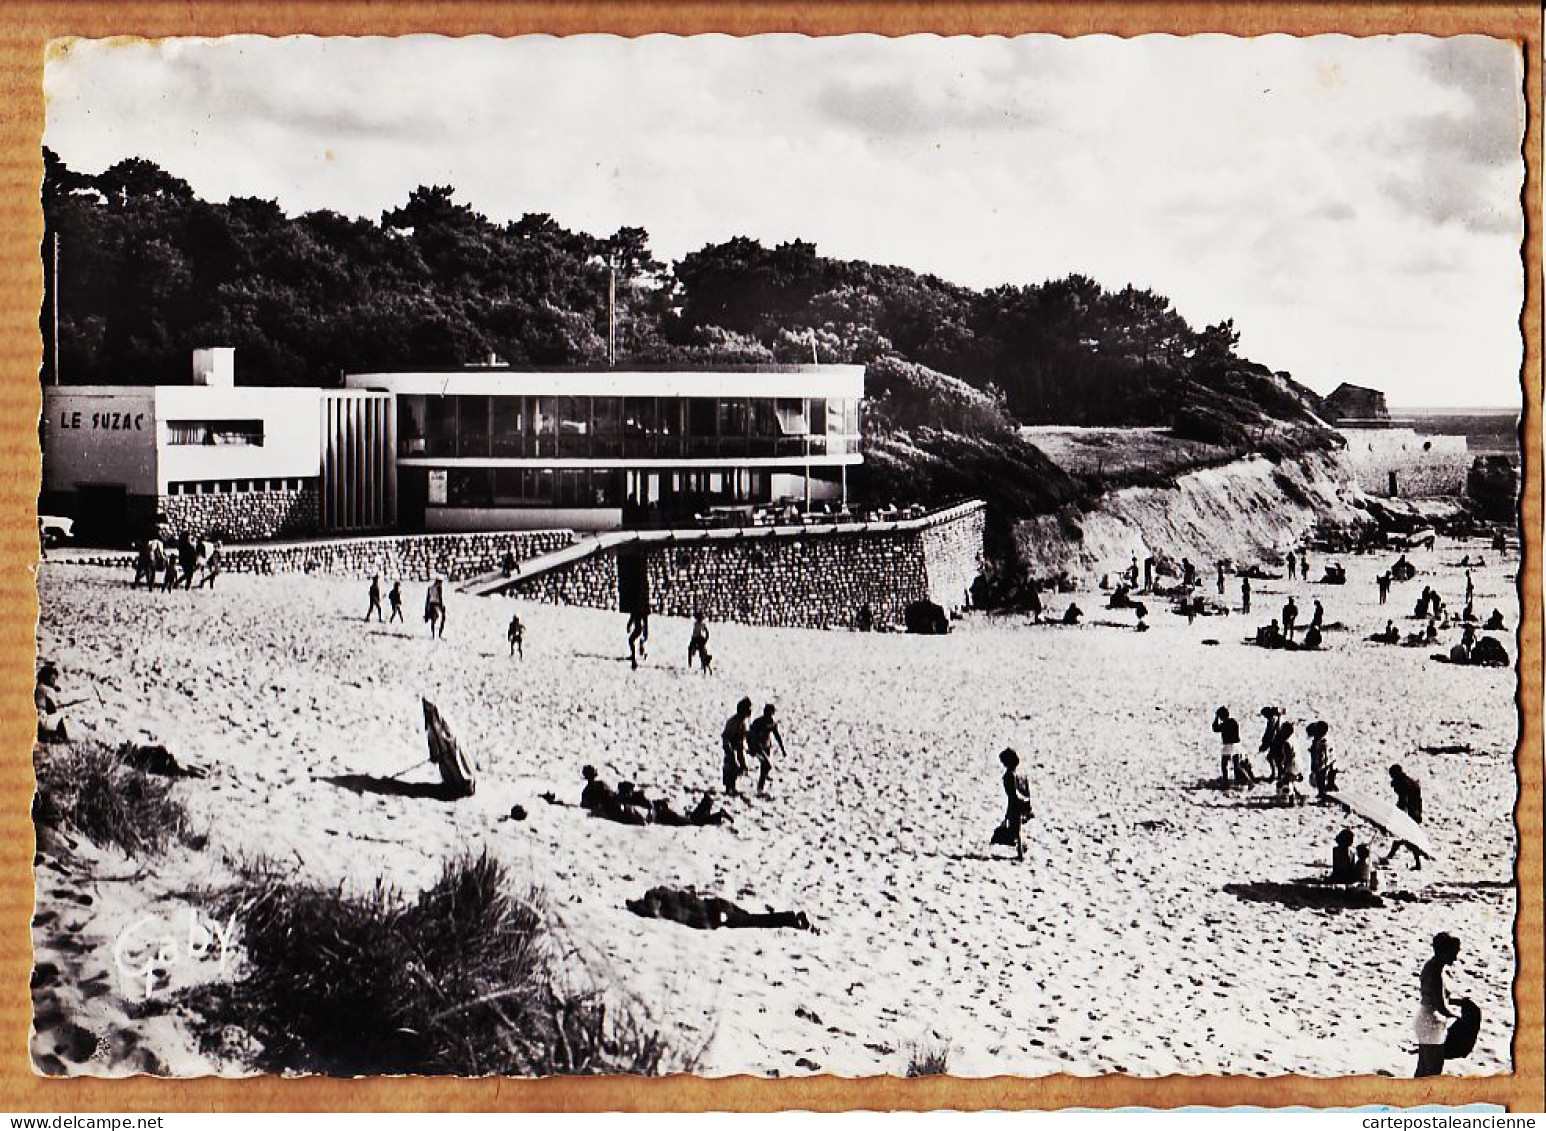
(929, 1060)
(85, 788)
(457, 981)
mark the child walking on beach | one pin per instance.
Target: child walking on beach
(698, 645)
(516, 634)
(395, 599)
(1017, 792)
(759, 740)
(435, 609)
(733, 741)
(375, 598)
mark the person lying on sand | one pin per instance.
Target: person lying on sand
(710, 912)
(702, 814)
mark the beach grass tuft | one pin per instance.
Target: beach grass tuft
(84, 787)
(460, 980)
(929, 1060)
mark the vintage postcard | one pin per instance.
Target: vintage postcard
(781, 556)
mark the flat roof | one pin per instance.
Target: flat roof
(845, 381)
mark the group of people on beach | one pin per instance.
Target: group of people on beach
(186, 560)
(1278, 748)
(638, 629)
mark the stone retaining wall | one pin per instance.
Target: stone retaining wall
(243, 516)
(407, 557)
(802, 579)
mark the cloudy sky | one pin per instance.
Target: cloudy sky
(1353, 204)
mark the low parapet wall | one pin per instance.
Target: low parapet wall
(812, 577)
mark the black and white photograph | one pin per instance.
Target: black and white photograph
(781, 555)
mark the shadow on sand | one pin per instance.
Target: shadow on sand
(1315, 896)
(387, 787)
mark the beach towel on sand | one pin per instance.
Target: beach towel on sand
(456, 769)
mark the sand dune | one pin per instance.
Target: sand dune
(1143, 934)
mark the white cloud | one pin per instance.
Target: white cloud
(1352, 203)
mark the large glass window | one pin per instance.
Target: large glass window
(764, 427)
(734, 424)
(440, 426)
(539, 486)
(507, 427)
(792, 426)
(641, 426)
(818, 437)
(472, 427)
(701, 426)
(606, 426)
(412, 426)
(467, 487)
(216, 432)
(573, 426)
(544, 427)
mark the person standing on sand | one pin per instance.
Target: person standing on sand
(1318, 616)
(1290, 563)
(1245, 594)
(1132, 573)
(435, 609)
(1323, 771)
(1269, 736)
(1383, 581)
(638, 634)
(733, 741)
(375, 598)
(1290, 615)
(1148, 574)
(759, 740)
(1017, 791)
(395, 599)
(698, 644)
(1304, 566)
(1221, 577)
(1409, 799)
(1470, 587)
(1228, 731)
(1288, 766)
(1433, 1012)
(516, 634)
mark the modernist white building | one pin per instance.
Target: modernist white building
(496, 449)
(471, 449)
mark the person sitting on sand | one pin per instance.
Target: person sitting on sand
(698, 643)
(1433, 1013)
(395, 599)
(516, 635)
(597, 794)
(1312, 639)
(1344, 868)
(1390, 635)
(1228, 731)
(760, 737)
(1141, 625)
(1431, 633)
(1494, 622)
(1420, 609)
(704, 812)
(1409, 799)
(1368, 875)
(51, 725)
(1073, 614)
(1334, 574)
(733, 742)
(1017, 791)
(1121, 598)
(1269, 636)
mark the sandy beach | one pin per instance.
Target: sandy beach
(1142, 934)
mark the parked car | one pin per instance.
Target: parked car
(54, 530)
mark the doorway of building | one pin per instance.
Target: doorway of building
(102, 514)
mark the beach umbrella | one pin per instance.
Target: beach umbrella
(1384, 815)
